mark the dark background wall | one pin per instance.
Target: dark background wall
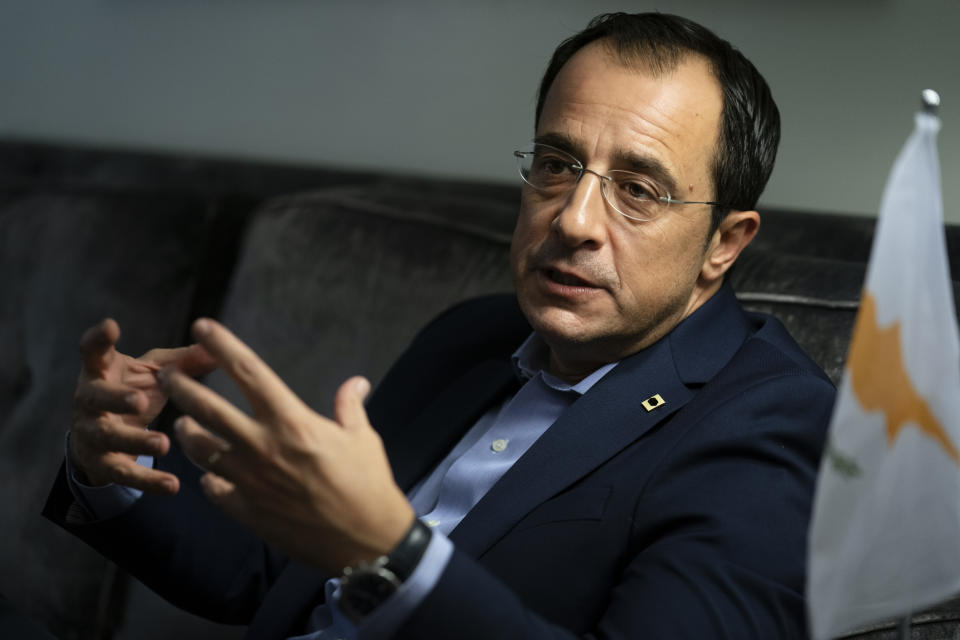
(446, 87)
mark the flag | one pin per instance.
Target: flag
(885, 535)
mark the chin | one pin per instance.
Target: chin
(559, 325)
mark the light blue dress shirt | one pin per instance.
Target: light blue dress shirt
(441, 500)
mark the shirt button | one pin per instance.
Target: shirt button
(498, 445)
(432, 523)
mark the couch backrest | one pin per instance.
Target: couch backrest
(345, 276)
(324, 284)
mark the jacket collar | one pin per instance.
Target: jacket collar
(706, 340)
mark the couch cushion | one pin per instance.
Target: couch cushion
(336, 283)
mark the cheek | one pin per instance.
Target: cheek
(654, 265)
(640, 252)
(527, 233)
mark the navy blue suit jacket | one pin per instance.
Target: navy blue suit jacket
(685, 521)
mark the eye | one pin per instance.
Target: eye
(635, 195)
(547, 168)
(634, 186)
(636, 190)
(550, 164)
(554, 166)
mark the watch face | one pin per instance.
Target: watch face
(365, 589)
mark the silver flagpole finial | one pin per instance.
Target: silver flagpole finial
(931, 101)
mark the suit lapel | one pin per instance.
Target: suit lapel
(593, 429)
(608, 418)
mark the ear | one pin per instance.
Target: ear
(735, 232)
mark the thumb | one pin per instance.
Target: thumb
(193, 360)
(348, 409)
(97, 346)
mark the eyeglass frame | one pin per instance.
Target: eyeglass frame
(581, 168)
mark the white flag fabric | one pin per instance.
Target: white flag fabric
(885, 536)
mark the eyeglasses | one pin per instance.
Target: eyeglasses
(634, 195)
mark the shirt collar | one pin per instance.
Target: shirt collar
(532, 357)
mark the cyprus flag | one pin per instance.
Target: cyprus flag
(885, 538)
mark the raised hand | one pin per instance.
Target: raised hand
(319, 489)
(116, 397)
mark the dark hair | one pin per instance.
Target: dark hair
(750, 122)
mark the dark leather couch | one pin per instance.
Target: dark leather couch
(326, 273)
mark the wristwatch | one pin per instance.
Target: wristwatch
(364, 587)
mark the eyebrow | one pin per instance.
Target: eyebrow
(634, 161)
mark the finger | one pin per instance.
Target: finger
(202, 447)
(97, 346)
(193, 360)
(225, 495)
(98, 395)
(348, 409)
(125, 471)
(104, 435)
(264, 388)
(209, 408)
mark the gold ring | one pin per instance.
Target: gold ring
(218, 453)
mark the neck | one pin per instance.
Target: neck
(570, 372)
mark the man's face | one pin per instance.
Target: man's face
(596, 285)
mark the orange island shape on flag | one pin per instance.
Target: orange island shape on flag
(880, 381)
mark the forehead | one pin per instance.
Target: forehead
(611, 111)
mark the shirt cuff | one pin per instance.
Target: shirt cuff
(108, 501)
(386, 619)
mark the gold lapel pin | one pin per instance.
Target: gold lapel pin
(653, 402)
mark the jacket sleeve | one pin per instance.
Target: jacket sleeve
(180, 546)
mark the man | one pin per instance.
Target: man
(648, 475)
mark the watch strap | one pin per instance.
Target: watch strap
(407, 554)
(366, 586)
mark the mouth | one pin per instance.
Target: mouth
(567, 279)
(566, 285)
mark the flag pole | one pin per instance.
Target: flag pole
(931, 101)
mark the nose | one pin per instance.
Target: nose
(582, 221)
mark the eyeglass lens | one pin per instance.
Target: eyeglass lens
(554, 172)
